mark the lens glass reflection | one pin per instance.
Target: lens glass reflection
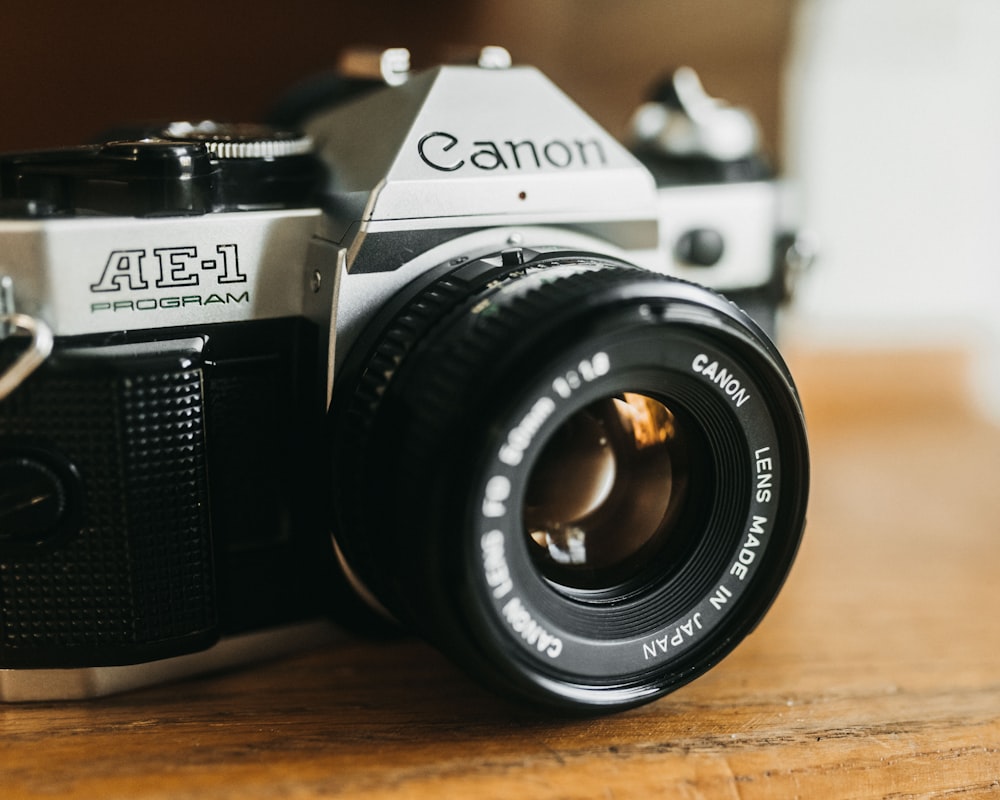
(606, 493)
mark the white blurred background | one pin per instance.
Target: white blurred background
(892, 132)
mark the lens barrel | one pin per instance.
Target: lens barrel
(583, 481)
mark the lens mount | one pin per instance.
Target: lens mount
(584, 481)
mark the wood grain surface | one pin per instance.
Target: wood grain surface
(876, 674)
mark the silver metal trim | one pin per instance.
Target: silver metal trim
(270, 148)
(494, 57)
(701, 125)
(237, 141)
(58, 267)
(359, 586)
(391, 65)
(32, 358)
(37, 685)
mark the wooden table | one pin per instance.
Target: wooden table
(876, 674)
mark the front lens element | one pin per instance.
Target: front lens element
(606, 492)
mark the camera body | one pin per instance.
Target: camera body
(158, 470)
(179, 313)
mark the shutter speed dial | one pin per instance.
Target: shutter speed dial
(240, 140)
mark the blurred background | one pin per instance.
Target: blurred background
(885, 113)
(891, 130)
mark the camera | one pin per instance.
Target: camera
(448, 354)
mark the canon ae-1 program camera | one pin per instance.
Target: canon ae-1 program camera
(443, 353)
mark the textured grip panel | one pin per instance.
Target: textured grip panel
(139, 570)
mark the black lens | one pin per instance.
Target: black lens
(606, 493)
(583, 481)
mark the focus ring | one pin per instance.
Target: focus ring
(423, 388)
(449, 295)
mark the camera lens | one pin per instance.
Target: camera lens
(605, 495)
(583, 481)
